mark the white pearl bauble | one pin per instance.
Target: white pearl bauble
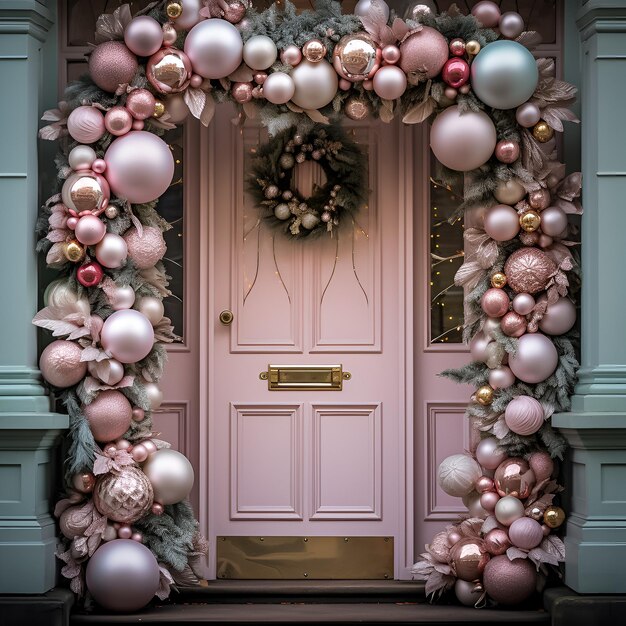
(315, 84)
(81, 157)
(112, 251)
(259, 52)
(155, 395)
(508, 509)
(171, 475)
(152, 308)
(122, 298)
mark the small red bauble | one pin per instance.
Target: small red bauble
(89, 274)
(455, 72)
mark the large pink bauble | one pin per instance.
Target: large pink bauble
(514, 477)
(497, 541)
(528, 270)
(457, 474)
(128, 336)
(146, 249)
(535, 360)
(140, 166)
(462, 142)
(278, 88)
(501, 377)
(469, 558)
(60, 364)
(523, 303)
(109, 415)
(488, 454)
(513, 324)
(140, 103)
(487, 13)
(214, 48)
(525, 533)
(424, 53)
(495, 302)
(112, 64)
(143, 36)
(509, 582)
(524, 415)
(553, 221)
(502, 222)
(171, 475)
(90, 230)
(111, 252)
(541, 464)
(86, 124)
(316, 84)
(389, 82)
(508, 509)
(559, 318)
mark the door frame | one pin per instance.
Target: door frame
(406, 145)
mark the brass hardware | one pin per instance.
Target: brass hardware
(305, 377)
(313, 558)
(227, 317)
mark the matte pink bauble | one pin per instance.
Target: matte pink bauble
(487, 13)
(169, 70)
(60, 364)
(143, 36)
(453, 537)
(511, 24)
(291, 55)
(545, 241)
(553, 221)
(90, 230)
(112, 64)
(462, 141)
(152, 308)
(391, 54)
(390, 82)
(171, 475)
(118, 121)
(478, 346)
(524, 415)
(176, 108)
(128, 336)
(140, 103)
(508, 509)
(523, 303)
(525, 533)
(190, 15)
(535, 360)
(109, 371)
(214, 48)
(507, 151)
(541, 464)
(488, 501)
(497, 541)
(509, 191)
(278, 88)
(424, 53)
(139, 453)
(111, 252)
(455, 72)
(501, 377)
(495, 302)
(488, 454)
(501, 222)
(140, 166)
(316, 84)
(513, 324)
(146, 249)
(509, 582)
(86, 124)
(138, 414)
(108, 415)
(527, 115)
(528, 270)
(514, 477)
(469, 558)
(121, 297)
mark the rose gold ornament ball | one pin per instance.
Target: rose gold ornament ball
(109, 415)
(140, 103)
(424, 52)
(112, 64)
(509, 582)
(60, 364)
(528, 270)
(145, 249)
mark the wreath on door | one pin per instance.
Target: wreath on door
(273, 186)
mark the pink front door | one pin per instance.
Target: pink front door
(307, 463)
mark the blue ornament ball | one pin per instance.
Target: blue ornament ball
(504, 75)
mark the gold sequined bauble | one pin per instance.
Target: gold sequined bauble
(74, 252)
(472, 47)
(484, 395)
(498, 280)
(159, 109)
(542, 132)
(553, 516)
(530, 221)
(124, 497)
(174, 10)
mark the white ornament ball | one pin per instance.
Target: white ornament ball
(315, 84)
(214, 48)
(111, 252)
(81, 157)
(259, 52)
(152, 308)
(278, 88)
(155, 395)
(508, 509)
(457, 474)
(171, 475)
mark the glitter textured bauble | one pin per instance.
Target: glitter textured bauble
(122, 575)
(146, 249)
(541, 464)
(507, 151)
(86, 124)
(514, 477)
(356, 57)
(457, 474)
(524, 415)
(127, 335)
(123, 497)
(424, 53)
(509, 582)
(215, 48)
(513, 324)
(112, 64)
(495, 302)
(469, 558)
(356, 108)
(109, 415)
(140, 103)
(315, 84)
(528, 270)
(75, 520)
(60, 364)
(171, 475)
(169, 70)
(143, 35)
(536, 358)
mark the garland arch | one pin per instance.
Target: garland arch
(494, 110)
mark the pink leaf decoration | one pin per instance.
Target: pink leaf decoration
(57, 235)
(400, 29)
(515, 553)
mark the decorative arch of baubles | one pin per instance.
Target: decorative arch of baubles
(128, 532)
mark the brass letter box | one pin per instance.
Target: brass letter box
(305, 377)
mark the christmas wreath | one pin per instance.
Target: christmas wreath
(344, 192)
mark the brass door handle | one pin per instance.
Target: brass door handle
(226, 317)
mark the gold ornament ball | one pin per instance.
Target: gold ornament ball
(542, 132)
(498, 280)
(553, 516)
(159, 109)
(484, 395)
(74, 252)
(174, 10)
(472, 47)
(530, 221)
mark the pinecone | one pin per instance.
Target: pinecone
(125, 496)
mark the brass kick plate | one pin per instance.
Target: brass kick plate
(305, 558)
(305, 377)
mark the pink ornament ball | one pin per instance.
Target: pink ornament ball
(128, 336)
(525, 533)
(140, 103)
(85, 124)
(513, 324)
(214, 48)
(60, 364)
(523, 303)
(501, 222)
(125, 531)
(138, 414)
(108, 415)
(424, 53)
(524, 415)
(455, 72)
(111, 252)
(509, 582)
(99, 166)
(535, 360)
(541, 464)
(484, 483)
(501, 377)
(112, 64)
(139, 453)
(497, 541)
(118, 121)
(507, 151)
(90, 230)
(488, 454)
(391, 54)
(143, 36)
(553, 221)
(495, 302)
(527, 115)
(140, 166)
(487, 13)
(278, 88)
(478, 346)
(291, 55)
(146, 249)
(389, 82)
(488, 501)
